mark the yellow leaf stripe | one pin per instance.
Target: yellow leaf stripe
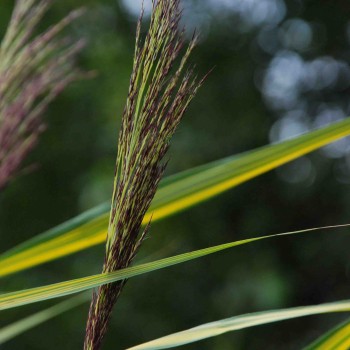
(24, 297)
(337, 339)
(175, 194)
(241, 322)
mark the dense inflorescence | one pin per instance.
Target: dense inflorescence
(33, 71)
(157, 100)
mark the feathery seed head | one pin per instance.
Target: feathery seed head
(158, 98)
(32, 73)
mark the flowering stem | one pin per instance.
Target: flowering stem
(157, 101)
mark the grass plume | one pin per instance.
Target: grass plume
(33, 71)
(158, 98)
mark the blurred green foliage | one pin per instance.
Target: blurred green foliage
(280, 68)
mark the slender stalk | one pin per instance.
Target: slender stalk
(33, 71)
(158, 98)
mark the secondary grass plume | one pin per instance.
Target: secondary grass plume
(33, 71)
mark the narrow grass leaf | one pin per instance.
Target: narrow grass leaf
(214, 329)
(19, 327)
(336, 339)
(176, 193)
(24, 297)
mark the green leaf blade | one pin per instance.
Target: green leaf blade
(20, 298)
(176, 193)
(336, 339)
(17, 328)
(240, 322)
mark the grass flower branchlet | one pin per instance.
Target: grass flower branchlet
(33, 71)
(158, 98)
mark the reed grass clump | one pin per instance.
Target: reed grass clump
(158, 98)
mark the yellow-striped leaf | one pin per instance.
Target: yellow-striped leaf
(24, 297)
(336, 339)
(175, 194)
(241, 322)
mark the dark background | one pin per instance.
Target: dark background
(281, 68)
